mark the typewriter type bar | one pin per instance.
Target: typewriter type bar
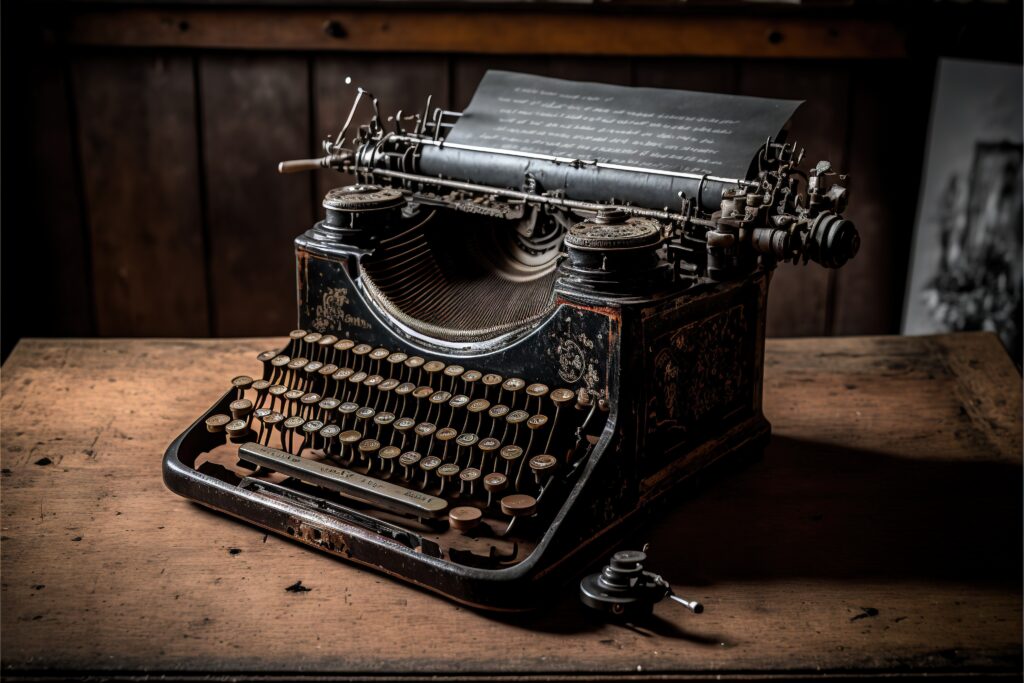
(520, 331)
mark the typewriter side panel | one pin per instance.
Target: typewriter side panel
(702, 362)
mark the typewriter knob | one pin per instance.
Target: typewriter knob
(356, 212)
(611, 254)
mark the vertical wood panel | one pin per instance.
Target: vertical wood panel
(255, 113)
(399, 83)
(887, 144)
(140, 170)
(42, 214)
(799, 302)
(706, 75)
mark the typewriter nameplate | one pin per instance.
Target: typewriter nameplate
(383, 494)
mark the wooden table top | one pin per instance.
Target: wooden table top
(880, 533)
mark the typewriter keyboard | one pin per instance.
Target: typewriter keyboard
(473, 460)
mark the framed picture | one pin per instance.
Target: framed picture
(965, 271)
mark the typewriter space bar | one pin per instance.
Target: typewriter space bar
(382, 494)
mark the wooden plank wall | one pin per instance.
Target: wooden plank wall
(146, 177)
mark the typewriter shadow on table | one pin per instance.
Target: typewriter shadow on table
(816, 511)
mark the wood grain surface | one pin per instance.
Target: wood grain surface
(879, 534)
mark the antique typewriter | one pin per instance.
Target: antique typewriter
(518, 330)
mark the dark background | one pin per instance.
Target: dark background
(140, 141)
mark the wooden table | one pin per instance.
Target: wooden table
(880, 534)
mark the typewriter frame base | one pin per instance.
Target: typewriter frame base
(306, 522)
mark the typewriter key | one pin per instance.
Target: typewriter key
(348, 441)
(453, 371)
(468, 478)
(326, 407)
(542, 466)
(388, 385)
(261, 386)
(537, 421)
(362, 415)
(297, 363)
(422, 392)
(367, 451)
(423, 430)
(428, 465)
(469, 379)
(360, 351)
(464, 517)
(446, 471)
(495, 482)
(310, 399)
(312, 338)
(313, 426)
(343, 345)
(327, 370)
(242, 382)
(382, 419)
(562, 396)
(324, 347)
(487, 447)
(266, 356)
(489, 380)
(313, 366)
(215, 423)
(445, 435)
(405, 388)
(309, 433)
(280, 361)
(517, 505)
(240, 408)
(407, 460)
(260, 413)
(289, 426)
(433, 366)
(297, 334)
(373, 380)
(397, 357)
(517, 416)
(342, 374)
(379, 354)
(459, 401)
(267, 423)
(512, 385)
(238, 431)
(387, 456)
(509, 454)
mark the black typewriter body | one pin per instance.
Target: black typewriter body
(487, 386)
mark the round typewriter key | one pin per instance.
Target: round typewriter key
(373, 380)
(297, 363)
(266, 356)
(272, 418)
(348, 440)
(215, 423)
(471, 376)
(468, 478)
(348, 407)
(511, 452)
(328, 370)
(313, 426)
(446, 472)
(242, 382)
(407, 460)
(414, 362)
(261, 385)
(297, 334)
(478, 405)
(313, 366)
(405, 388)
(517, 416)
(454, 370)
(342, 374)
(357, 377)
(388, 455)
(361, 349)
(490, 379)
(388, 384)
(422, 392)
(513, 384)
(310, 399)
(445, 434)
(498, 411)
(365, 413)
(425, 429)
(280, 361)
(467, 439)
(537, 421)
(433, 366)
(294, 394)
(329, 431)
(379, 354)
(459, 401)
(397, 357)
(518, 505)
(367, 449)
(344, 344)
(562, 396)
(428, 465)
(329, 404)
(277, 390)
(260, 413)
(327, 340)
(312, 337)
(403, 424)
(542, 463)
(489, 445)
(293, 422)
(537, 389)
(495, 482)
(440, 397)
(464, 517)
(240, 408)
(238, 430)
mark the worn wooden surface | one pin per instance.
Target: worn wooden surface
(880, 533)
